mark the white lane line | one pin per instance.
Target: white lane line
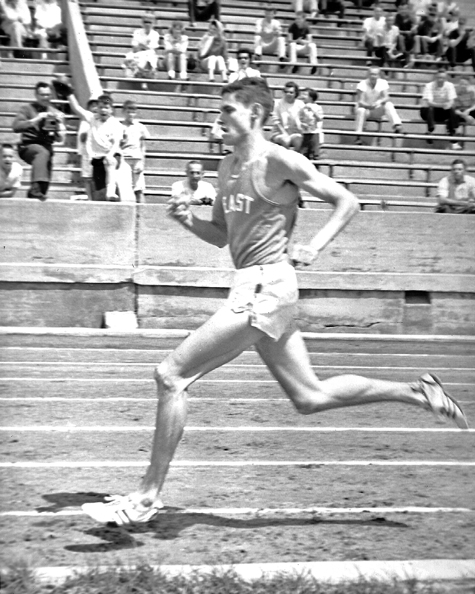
(129, 364)
(127, 379)
(227, 365)
(232, 463)
(138, 399)
(92, 399)
(150, 380)
(237, 429)
(261, 511)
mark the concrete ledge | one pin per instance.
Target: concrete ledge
(331, 572)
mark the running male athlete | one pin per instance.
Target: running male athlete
(254, 214)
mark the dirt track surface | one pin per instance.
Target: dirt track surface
(93, 401)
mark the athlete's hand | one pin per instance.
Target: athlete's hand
(303, 255)
(178, 209)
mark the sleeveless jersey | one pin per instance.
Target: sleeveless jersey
(259, 219)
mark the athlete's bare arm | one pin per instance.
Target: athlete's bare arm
(302, 173)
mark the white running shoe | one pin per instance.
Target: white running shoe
(121, 510)
(438, 401)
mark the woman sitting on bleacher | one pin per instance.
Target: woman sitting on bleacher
(213, 51)
(176, 50)
(143, 59)
(16, 21)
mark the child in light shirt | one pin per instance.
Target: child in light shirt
(103, 144)
(86, 167)
(133, 147)
(311, 121)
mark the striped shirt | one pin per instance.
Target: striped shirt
(439, 96)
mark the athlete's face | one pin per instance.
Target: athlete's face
(235, 119)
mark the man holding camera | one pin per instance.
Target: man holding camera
(40, 125)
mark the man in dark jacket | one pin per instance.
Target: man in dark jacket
(40, 125)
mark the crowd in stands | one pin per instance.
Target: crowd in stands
(112, 151)
(35, 24)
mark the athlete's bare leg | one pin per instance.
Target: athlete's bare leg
(289, 362)
(222, 338)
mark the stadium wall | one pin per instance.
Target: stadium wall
(66, 264)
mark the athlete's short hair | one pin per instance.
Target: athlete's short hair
(91, 103)
(252, 90)
(6, 145)
(459, 162)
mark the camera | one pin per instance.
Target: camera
(50, 123)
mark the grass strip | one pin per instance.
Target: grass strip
(145, 580)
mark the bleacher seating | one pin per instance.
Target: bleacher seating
(386, 169)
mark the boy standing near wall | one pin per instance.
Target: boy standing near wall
(133, 147)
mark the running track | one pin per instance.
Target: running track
(253, 481)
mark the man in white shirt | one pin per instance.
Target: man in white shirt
(244, 69)
(193, 190)
(438, 102)
(10, 172)
(269, 38)
(456, 192)
(372, 101)
(143, 59)
(373, 34)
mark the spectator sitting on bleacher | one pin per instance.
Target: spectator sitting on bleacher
(103, 145)
(142, 61)
(213, 51)
(428, 41)
(133, 147)
(450, 22)
(465, 102)
(406, 22)
(48, 24)
(193, 190)
(373, 34)
(438, 101)
(328, 6)
(203, 10)
(286, 125)
(176, 50)
(311, 124)
(10, 172)
(456, 192)
(16, 21)
(86, 167)
(446, 6)
(390, 51)
(309, 7)
(269, 37)
(244, 66)
(40, 125)
(372, 101)
(460, 45)
(300, 42)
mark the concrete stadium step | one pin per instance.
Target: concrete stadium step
(35, 67)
